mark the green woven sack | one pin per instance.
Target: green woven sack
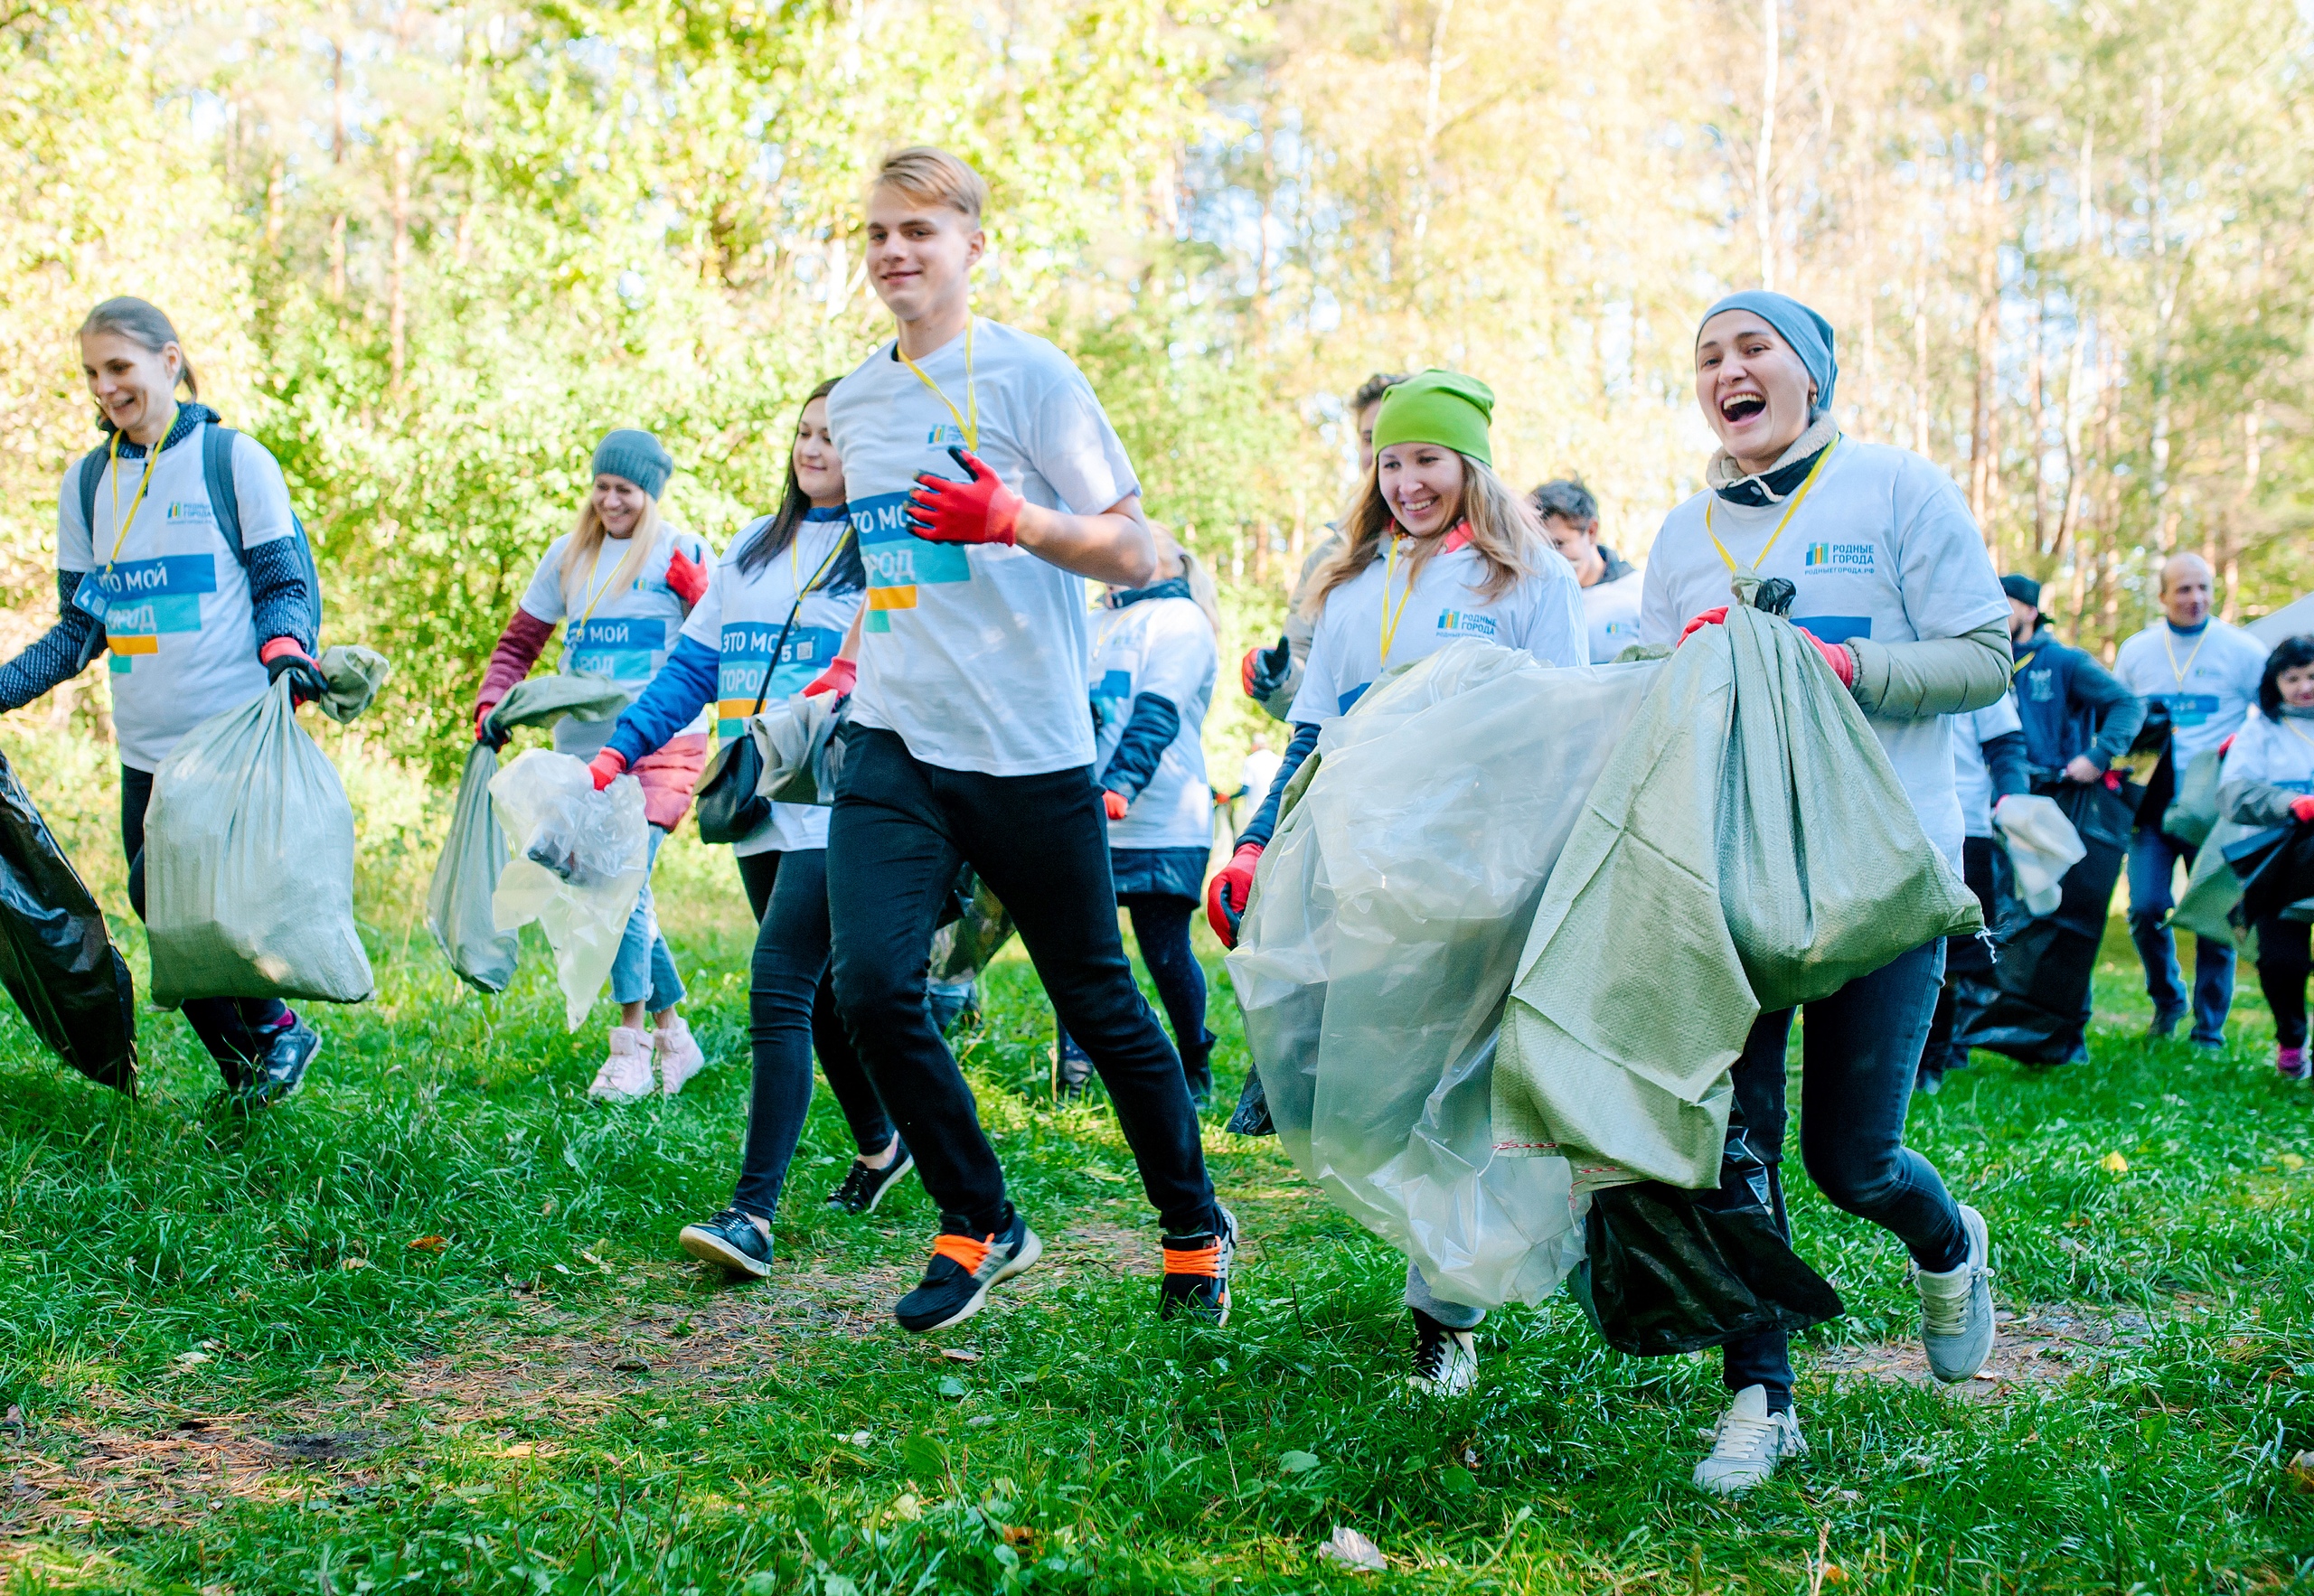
(1747, 849)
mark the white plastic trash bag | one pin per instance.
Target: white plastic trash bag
(249, 859)
(2042, 847)
(580, 859)
(1384, 932)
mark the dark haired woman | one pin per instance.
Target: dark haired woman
(797, 571)
(2268, 780)
(197, 623)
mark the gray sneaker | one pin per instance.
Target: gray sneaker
(1956, 1307)
(1749, 1443)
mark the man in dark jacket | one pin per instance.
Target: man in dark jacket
(2078, 719)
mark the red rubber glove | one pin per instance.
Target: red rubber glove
(606, 767)
(286, 656)
(1836, 655)
(481, 714)
(1263, 669)
(837, 678)
(982, 511)
(1116, 804)
(1711, 617)
(1225, 899)
(687, 577)
(2301, 810)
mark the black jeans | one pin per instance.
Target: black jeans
(230, 1027)
(1966, 958)
(1161, 928)
(1859, 1050)
(900, 829)
(2283, 948)
(790, 1011)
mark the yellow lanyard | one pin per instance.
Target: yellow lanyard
(151, 458)
(1391, 617)
(2169, 646)
(2293, 731)
(796, 561)
(1799, 498)
(587, 614)
(971, 429)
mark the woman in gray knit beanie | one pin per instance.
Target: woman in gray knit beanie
(622, 582)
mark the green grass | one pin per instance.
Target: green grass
(231, 1370)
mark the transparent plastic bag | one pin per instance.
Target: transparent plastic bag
(1384, 930)
(2042, 847)
(581, 860)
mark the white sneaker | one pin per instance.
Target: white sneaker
(1749, 1443)
(679, 1055)
(625, 1074)
(1445, 1359)
(1956, 1307)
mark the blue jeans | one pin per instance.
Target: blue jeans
(644, 971)
(1859, 1049)
(2153, 856)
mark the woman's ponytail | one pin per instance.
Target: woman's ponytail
(143, 323)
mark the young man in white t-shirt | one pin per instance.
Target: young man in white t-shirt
(986, 484)
(1612, 585)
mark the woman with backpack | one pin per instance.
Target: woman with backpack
(1437, 549)
(198, 622)
(624, 580)
(781, 616)
(1153, 667)
(2266, 780)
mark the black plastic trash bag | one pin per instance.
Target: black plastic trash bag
(1671, 1271)
(2036, 1010)
(56, 958)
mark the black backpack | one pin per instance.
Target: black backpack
(217, 475)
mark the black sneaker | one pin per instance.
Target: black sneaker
(2165, 1024)
(282, 1071)
(863, 1187)
(1197, 1272)
(1072, 1069)
(732, 1240)
(962, 1268)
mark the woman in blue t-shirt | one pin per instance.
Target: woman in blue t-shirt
(197, 624)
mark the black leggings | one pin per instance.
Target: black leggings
(230, 1027)
(1160, 926)
(790, 1011)
(2283, 965)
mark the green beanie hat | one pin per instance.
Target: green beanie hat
(1438, 406)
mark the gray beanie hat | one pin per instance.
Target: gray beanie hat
(637, 456)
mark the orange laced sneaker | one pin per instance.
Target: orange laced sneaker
(1197, 1272)
(963, 1267)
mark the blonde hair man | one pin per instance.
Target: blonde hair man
(986, 486)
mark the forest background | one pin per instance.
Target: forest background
(431, 251)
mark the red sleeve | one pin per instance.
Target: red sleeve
(518, 649)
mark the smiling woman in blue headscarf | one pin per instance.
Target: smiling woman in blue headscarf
(1896, 590)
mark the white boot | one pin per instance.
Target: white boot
(679, 1055)
(1749, 1443)
(625, 1074)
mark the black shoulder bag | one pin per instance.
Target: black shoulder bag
(730, 809)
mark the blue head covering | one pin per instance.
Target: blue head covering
(1809, 334)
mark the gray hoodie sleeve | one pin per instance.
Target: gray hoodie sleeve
(2255, 803)
(1935, 676)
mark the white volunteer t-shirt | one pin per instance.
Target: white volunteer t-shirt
(1611, 611)
(172, 597)
(624, 635)
(974, 653)
(2278, 753)
(1542, 615)
(740, 617)
(1884, 548)
(2209, 682)
(1163, 646)
(1972, 779)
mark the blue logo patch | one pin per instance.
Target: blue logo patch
(1465, 624)
(1842, 559)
